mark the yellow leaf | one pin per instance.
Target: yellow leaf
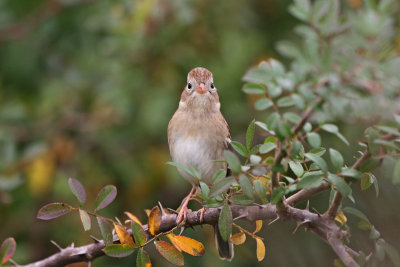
(260, 249)
(341, 218)
(154, 220)
(187, 244)
(259, 224)
(123, 235)
(133, 218)
(147, 212)
(238, 238)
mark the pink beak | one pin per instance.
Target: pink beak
(201, 89)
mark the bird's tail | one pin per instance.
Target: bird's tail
(225, 248)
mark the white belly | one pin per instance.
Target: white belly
(199, 154)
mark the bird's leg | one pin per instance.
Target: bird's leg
(183, 207)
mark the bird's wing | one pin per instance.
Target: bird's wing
(227, 141)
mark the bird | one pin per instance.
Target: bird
(198, 135)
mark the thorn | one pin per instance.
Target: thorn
(162, 209)
(182, 229)
(116, 218)
(172, 210)
(240, 217)
(300, 224)
(276, 219)
(258, 205)
(57, 245)
(13, 262)
(308, 206)
(95, 239)
(317, 212)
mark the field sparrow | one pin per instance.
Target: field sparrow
(197, 136)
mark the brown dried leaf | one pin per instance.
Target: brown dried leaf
(133, 218)
(170, 253)
(341, 218)
(187, 244)
(123, 235)
(154, 220)
(259, 224)
(238, 239)
(260, 249)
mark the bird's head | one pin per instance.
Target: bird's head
(200, 92)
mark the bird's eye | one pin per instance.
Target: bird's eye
(212, 85)
(189, 86)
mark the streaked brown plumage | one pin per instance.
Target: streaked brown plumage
(197, 136)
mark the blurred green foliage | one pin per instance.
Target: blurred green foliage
(87, 89)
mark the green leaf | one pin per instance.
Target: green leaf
(240, 149)
(233, 161)
(263, 104)
(205, 189)
(314, 140)
(266, 148)
(169, 252)
(250, 135)
(138, 234)
(330, 128)
(225, 222)
(253, 89)
(7, 249)
(366, 181)
(320, 151)
(285, 101)
(309, 182)
(85, 219)
(118, 250)
(284, 130)
(292, 117)
(53, 210)
(77, 189)
(277, 195)
(246, 186)
(336, 159)
(297, 148)
(180, 166)
(356, 213)
(273, 120)
(255, 159)
(142, 259)
(218, 176)
(104, 198)
(106, 230)
(340, 184)
(221, 186)
(317, 160)
(297, 168)
(352, 173)
(261, 191)
(241, 199)
(389, 130)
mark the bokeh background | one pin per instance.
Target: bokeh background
(87, 89)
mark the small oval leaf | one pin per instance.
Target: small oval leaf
(106, 195)
(143, 259)
(85, 219)
(77, 189)
(260, 249)
(246, 186)
(106, 230)
(221, 186)
(259, 224)
(133, 218)
(123, 235)
(225, 222)
(187, 244)
(169, 252)
(317, 160)
(233, 161)
(138, 234)
(7, 249)
(154, 221)
(118, 250)
(238, 239)
(53, 210)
